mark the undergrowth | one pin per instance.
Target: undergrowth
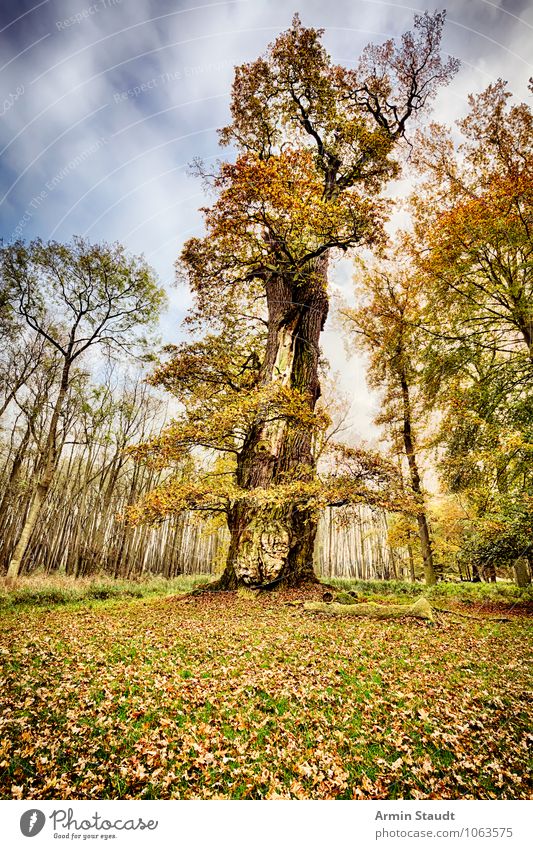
(466, 593)
(51, 590)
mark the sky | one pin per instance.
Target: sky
(104, 104)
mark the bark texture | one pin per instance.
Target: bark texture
(421, 609)
(275, 544)
(48, 468)
(423, 530)
(522, 572)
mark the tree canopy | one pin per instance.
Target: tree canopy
(314, 147)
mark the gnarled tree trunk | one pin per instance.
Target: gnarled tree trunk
(272, 544)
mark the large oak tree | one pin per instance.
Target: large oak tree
(314, 146)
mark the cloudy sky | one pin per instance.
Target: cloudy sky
(103, 104)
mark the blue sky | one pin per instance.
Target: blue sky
(104, 103)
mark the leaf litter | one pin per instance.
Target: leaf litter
(221, 696)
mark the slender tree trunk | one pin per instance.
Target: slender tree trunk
(275, 544)
(522, 571)
(408, 441)
(37, 502)
(126, 531)
(490, 572)
(412, 576)
(49, 465)
(524, 322)
(15, 471)
(10, 495)
(93, 556)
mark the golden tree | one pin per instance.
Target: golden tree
(314, 145)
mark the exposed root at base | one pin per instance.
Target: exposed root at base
(229, 583)
(420, 609)
(471, 616)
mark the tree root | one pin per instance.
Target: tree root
(470, 616)
(228, 582)
(421, 609)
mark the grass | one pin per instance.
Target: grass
(501, 593)
(50, 590)
(231, 697)
(47, 590)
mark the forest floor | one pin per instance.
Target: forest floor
(229, 696)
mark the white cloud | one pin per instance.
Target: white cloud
(133, 186)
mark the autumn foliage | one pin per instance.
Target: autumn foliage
(314, 148)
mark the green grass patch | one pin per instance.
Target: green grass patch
(49, 591)
(501, 592)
